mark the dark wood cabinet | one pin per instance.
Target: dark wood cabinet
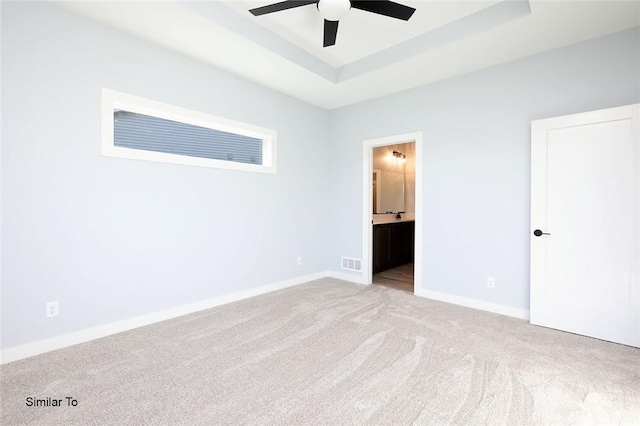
(381, 247)
(393, 245)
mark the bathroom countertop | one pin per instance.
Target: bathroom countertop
(392, 219)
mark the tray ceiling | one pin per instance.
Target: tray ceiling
(374, 55)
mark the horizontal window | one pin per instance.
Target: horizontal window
(142, 129)
(138, 131)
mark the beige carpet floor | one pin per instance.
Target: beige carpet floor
(326, 353)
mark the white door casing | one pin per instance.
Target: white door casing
(585, 192)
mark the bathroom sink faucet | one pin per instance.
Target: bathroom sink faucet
(398, 216)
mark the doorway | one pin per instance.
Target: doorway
(390, 231)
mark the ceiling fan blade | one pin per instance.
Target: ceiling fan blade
(330, 33)
(283, 5)
(386, 8)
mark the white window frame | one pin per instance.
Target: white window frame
(112, 100)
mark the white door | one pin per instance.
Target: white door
(585, 194)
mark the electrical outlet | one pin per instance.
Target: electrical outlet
(491, 282)
(299, 260)
(52, 309)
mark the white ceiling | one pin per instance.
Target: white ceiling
(374, 55)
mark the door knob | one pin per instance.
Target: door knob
(539, 233)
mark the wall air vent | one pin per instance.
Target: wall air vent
(352, 264)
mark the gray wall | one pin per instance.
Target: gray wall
(476, 159)
(112, 238)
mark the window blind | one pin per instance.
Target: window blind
(144, 132)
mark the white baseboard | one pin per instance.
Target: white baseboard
(47, 345)
(357, 279)
(31, 349)
(444, 297)
(474, 303)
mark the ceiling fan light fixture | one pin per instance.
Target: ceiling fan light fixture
(333, 10)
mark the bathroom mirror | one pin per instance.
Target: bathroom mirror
(388, 192)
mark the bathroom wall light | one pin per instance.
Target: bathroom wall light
(400, 156)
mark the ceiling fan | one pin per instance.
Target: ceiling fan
(333, 10)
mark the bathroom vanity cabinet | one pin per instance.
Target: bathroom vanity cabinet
(393, 245)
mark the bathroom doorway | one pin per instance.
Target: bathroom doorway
(392, 207)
